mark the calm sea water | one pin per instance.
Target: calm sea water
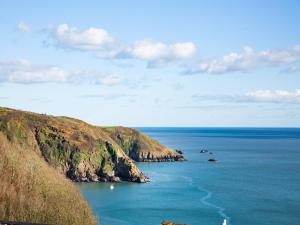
(256, 181)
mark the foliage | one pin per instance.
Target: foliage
(32, 191)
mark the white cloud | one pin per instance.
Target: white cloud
(22, 26)
(183, 49)
(248, 60)
(147, 50)
(257, 96)
(151, 50)
(277, 96)
(104, 46)
(90, 39)
(23, 71)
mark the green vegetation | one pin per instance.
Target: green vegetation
(38, 152)
(81, 151)
(141, 147)
(33, 191)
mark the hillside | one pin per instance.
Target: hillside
(39, 152)
(142, 148)
(81, 151)
(32, 191)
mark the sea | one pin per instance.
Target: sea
(255, 180)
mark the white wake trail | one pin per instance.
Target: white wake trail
(204, 200)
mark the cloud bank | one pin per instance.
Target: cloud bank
(277, 96)
(257, 96)
(105, 46)
(23, 71)
(156, 53)
(248, 60)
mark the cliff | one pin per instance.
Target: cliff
(83, 152)
(142, 148)
(39, 152)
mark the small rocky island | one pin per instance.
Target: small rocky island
(212, 160)
(203, 151)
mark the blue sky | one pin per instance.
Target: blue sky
(153, 63)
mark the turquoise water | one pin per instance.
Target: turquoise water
(256, 181)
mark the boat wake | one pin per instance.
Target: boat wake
(204, 200)
(220, 210)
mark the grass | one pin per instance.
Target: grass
(32, 191)
(78, 149)
(38, 152)
(136, 144)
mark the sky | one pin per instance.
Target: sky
(153, 63)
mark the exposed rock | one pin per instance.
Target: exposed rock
(103, 179)
(114, 179)
(212, 160)
(83, 152)
(203, 151)
(171, 223)
(167, 158)
(142, 148)
(179, 151)
(143, 179)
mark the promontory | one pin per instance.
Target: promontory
(41, 154)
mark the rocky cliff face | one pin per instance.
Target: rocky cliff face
(81, 151)
(142, 148)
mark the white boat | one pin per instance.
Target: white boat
(224, 222)
(112, 187)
